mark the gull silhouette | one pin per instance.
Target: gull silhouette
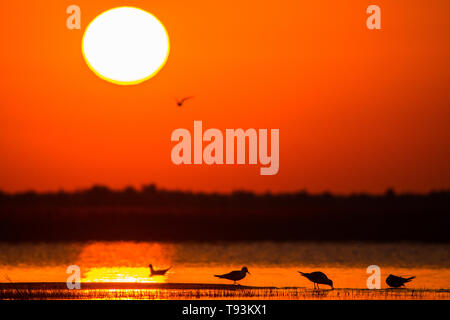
(234, 275)
(396, 282)
(181, 102)
(154, 272)
(317, 277)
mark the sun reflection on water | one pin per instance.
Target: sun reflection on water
(270, 264)
(122, 274)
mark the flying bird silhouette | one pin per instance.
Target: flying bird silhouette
(181, 102)
(317, 277)
(154, 272)
(396, 282)
(234, 275)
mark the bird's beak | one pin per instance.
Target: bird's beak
(248, 272)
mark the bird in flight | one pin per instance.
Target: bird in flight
(180, 102)
(396, 282)
(234, 275)
(317, 278)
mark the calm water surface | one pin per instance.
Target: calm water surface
(270, 264)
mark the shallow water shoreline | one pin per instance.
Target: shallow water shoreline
(200, 291)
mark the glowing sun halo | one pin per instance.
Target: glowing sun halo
(125, 45)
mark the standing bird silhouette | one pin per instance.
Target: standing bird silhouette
(396, 282)
(154, 272)
(317, 277)
(181, 102)
(234, 275)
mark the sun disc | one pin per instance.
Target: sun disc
(125, 45)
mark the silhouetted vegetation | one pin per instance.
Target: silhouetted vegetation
(191, 291)
(100, 213)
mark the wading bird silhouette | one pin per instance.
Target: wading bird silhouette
(181, 102)
(396, 282)
(317, 277)
(154, 272)
(234, 275)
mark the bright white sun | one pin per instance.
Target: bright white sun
(125, 45)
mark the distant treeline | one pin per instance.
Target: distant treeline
(100, 213)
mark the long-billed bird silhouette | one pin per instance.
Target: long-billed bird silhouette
(154, 272)
(181, 102)
(317, 277)
(396, 282)
(234, 275)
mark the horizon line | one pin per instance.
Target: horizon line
(388, 191)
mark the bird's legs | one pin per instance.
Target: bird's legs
(318, 287)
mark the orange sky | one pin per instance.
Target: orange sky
(357, 110)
